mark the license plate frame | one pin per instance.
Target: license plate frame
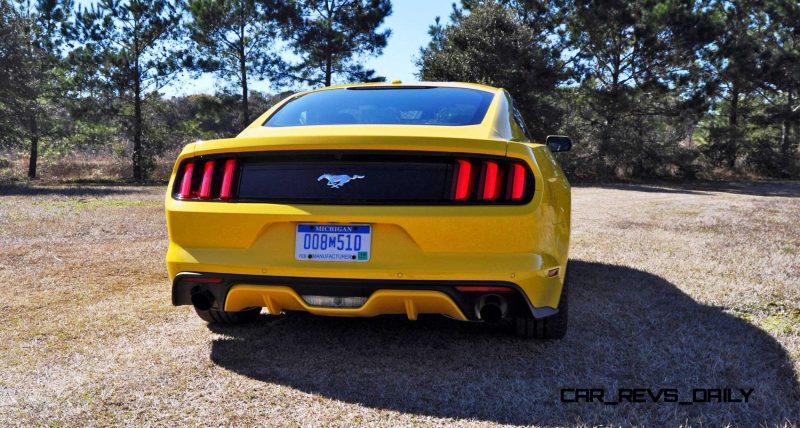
(333, 242)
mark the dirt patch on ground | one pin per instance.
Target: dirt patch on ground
(673, 288)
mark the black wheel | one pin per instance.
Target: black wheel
(213, 316)
(550, 328)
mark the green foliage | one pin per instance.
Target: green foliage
(218, 116)
(236, 39)
(492, 46)
(331, 36)
(32, 79)
(635, 81)
(12, 70)
(757, 65)
(129, 49)
(644, 87)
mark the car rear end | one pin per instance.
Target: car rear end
(345, 220)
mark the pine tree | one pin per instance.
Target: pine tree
(780, 81)
(637, 66)
(491, 45)
(33, 38)
(131, 48)
(330, 36)
(236, 39)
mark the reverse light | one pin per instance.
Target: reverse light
(334, 301)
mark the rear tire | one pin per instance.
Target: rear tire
(213, 316)
(551, 328)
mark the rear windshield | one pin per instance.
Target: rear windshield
(385, 106)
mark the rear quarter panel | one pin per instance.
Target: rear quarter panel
(556, 201)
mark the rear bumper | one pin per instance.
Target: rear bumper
(410, 245)
(411, 297)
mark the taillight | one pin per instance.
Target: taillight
(226, 190)
(497, 181)
(517, 182)
(463, 181)
(208, 177)
(490, 181)
(215, 182)
(186, 181)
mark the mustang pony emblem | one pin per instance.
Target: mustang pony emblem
(337, 181)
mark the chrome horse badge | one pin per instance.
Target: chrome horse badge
(337, 181)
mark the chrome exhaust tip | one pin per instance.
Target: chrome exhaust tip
(491, 308)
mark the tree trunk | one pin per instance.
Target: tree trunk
(137, 128)
(733, 128)
(786, 135)
(605, 146)
(243, 71)
(328, 67)
(34, 128)
(733, 115)
(328, 41)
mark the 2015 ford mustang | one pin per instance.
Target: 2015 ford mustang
(363, 200)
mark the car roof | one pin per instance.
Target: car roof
(399, 84)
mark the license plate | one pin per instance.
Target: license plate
(333, 242)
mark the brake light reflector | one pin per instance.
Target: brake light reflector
(517, 182)
(202, 279)
(186, 181)
(227, 179)
(483, 289)
(208, 176)
(491, 181)
(463, 180)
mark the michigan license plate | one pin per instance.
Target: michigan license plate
(333, 242)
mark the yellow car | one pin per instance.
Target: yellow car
(373, 199)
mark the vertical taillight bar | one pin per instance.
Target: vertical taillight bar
(491, 181)
(226, 191)
(186, 181)
(463, 180)
(208, 177)
(517, 187)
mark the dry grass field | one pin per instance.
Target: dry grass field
(674, 287)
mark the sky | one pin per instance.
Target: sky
(409, 23)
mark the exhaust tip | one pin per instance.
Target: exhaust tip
(491, 308)
(202, 300)
(491, 313)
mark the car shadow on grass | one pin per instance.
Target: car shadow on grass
(629, 329)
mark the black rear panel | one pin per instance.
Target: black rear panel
(346, 178)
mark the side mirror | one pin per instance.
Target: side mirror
(558, 143)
